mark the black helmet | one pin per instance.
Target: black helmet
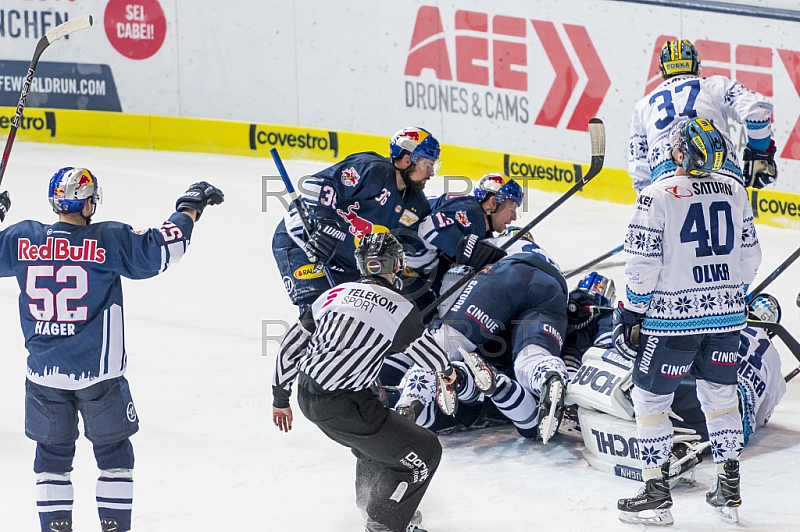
(380, 253)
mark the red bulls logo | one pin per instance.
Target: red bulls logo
(358, 226)
(350, 177)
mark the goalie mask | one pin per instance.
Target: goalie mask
(764, 307)
(70, 188)
(702, 145)
(380, 253)
(679, 57)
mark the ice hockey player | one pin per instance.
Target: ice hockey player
(691, 249)
(71, 313)
(601, 392)
(683, 93)
(514, 312)
(335, 351)
(458, 226)
(364, 193)
(496, 378)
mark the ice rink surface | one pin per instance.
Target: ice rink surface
(208, 456)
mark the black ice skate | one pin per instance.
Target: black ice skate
(60, 525)
(485, 375)
(413, 526)
(551, 407)
(411, 411)
(682, 461)
(725, 497)
(109, 525)
(650, 506)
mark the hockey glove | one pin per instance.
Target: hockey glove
(579, 308)
(198, 196)
(477, 253)
(627, 325)
(5, 204)
(760, 168)
(325, 236)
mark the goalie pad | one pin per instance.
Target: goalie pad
(602, 383)
(610, 444)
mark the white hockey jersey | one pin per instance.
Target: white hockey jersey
(691, 249)
(717, 98)
(761, 383)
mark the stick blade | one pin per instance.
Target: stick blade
(597, 135)
(70, 26)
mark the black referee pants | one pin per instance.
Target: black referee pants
(396, 458)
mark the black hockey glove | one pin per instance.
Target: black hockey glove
(579, 312)
(5, 204)
(627, 325)
(760, 168)
(325, 235)
(198, 196)
(477, 253)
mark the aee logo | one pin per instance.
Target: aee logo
(494, 53)
(750, 65)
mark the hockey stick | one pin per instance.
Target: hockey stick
(597, 136)
(788, 340)
(771, 277)
(792, 374)
(297, 203)
(591, 263)
(62, 30)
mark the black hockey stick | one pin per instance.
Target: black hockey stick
(775, 273)
(62, 30)
(597, 136)
(297, 203)
(788, 340)
(792, 374)
(591, 263)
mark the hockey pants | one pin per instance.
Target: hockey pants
(396, 458)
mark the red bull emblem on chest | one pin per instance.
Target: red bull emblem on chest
(358, 226)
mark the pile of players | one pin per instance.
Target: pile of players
(515, 334)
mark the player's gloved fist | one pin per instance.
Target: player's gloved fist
(579, 311)
(477, 253)
(325, 236)
(626, 335)
(760, 168)
(198, 196)
(5, 204)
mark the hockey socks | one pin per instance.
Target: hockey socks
(54, 496)
(115, 497)
(517, 404)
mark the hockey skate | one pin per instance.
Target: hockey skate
(725, 497)
(551, 407)
(109, 525)
(650, 506)
(682, 462)
(413, 526)
(60, 525)
(411, 411)
(485, 375)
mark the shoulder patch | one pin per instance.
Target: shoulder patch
(350, 177)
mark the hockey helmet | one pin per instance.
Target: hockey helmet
(702, 145)
(70, 188)
(600, 286)
(764, 307)
(499, 186)
(512, 230)
(380, 253)
(418, 142)
(679, 57)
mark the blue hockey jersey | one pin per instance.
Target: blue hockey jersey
(70, 301)
(361, 193)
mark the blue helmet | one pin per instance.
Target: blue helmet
(418, 142)
(702, 145)
(501, 187)
(765, 307)
(601, 287)
(679, 57)
(70, 187)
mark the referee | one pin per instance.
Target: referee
(335, 350)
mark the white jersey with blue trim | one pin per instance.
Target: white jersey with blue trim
(691, 250)
(716, 98)
(70, 301)
(761, 383)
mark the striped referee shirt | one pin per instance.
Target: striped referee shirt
(341, 341)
